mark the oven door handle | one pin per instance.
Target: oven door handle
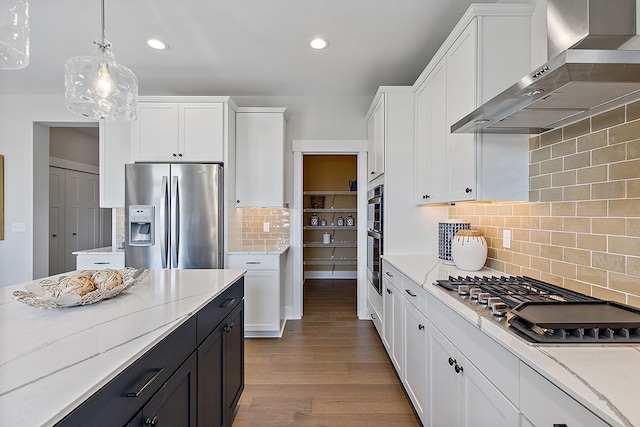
(374, 234)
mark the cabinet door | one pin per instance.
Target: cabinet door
(115, 151)
(415, 369)
(387, 308)
(484, 405)
(233, 361)
(461, 74)
(201, 132)
(446, 388)
(422, 148)
(376, 137)
(155, 133)
(221, 371)
(175, 403)
(439, 133)
(260, 159)
(262, 299)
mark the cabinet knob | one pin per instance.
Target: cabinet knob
(174, 155)
(229, 327)
(426, 196)
(74, 234)
(180, 155)
(151, 421)
(389, 291)
(237, 201)
(467, 190)
(373, 172)
(458, 368)
(451, 361)
(420, 327)
(388, 274)
(54, 235)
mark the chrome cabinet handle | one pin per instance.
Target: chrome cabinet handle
(228, 302)
(175, 221)
(146, 384)
(410, 293)
(164, 215)
(252, 262)
(151, 421)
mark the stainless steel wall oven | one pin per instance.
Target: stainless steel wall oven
(374, 235)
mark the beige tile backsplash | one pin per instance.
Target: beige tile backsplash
(581, 228)
(252, 226)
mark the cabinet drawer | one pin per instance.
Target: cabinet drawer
(544, 404)
(254, 262)
(494, 361)
(415, 295)
(111, 405)
(213, 313)
(392, 275)
(100, 261)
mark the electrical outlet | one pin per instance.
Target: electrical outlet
(506, 239)
(265, 227)
(18, 227)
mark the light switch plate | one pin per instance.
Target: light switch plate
(506, 239)
(18, 227)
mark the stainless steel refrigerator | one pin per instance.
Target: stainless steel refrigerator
(173, 215)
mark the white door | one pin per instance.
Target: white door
(56, 220)
(82, 212)
(446, 388)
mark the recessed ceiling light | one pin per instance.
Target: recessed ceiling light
(157, 44)
(319, 43)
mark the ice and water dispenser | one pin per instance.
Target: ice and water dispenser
(141, 225)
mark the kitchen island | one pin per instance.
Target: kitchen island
(535, 382)
(51, 361)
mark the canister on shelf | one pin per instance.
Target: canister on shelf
(340, 221)
(350, 221)
(314, 220)
(326, 238)
(323, 222)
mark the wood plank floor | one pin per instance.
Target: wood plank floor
(329, 369)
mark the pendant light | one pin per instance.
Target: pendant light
(14, 34)
(98, 87)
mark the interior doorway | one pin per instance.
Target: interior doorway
(74, 219)
(300, 218)
(330, 211)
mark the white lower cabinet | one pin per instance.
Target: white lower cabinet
(415, 369)
(263, 293)
(459, 394)
(536, 392)
(393, 304)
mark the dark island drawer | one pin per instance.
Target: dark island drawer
(119, 400)
(213, 313)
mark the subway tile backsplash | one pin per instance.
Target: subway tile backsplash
(581, 228)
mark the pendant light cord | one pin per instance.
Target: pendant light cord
(103, 44)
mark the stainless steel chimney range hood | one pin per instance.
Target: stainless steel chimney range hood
(590, 73)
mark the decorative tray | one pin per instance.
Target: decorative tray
(84, 287)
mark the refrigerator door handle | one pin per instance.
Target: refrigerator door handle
(164, 212)
(175, 221)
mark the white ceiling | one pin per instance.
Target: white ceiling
(242, 47)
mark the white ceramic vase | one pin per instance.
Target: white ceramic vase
(469, 250)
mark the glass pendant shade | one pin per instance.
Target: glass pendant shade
(14, 34)
(99, 88)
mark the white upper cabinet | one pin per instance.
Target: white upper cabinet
(179, 132)
(486, 52)
(260, 135)
(376, 135)
(115, 151)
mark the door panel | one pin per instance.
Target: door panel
(56, 220)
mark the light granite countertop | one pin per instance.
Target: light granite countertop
(53, 360)
(259, 249)
(603, 378)
(99, 251)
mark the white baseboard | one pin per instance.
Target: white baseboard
(330, 275)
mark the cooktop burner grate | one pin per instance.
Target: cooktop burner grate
(514, 290)
(515, 298)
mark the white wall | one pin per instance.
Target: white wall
(310, 118)
(76, 144)
(17, 117)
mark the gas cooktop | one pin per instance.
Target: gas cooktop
(541, 312)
